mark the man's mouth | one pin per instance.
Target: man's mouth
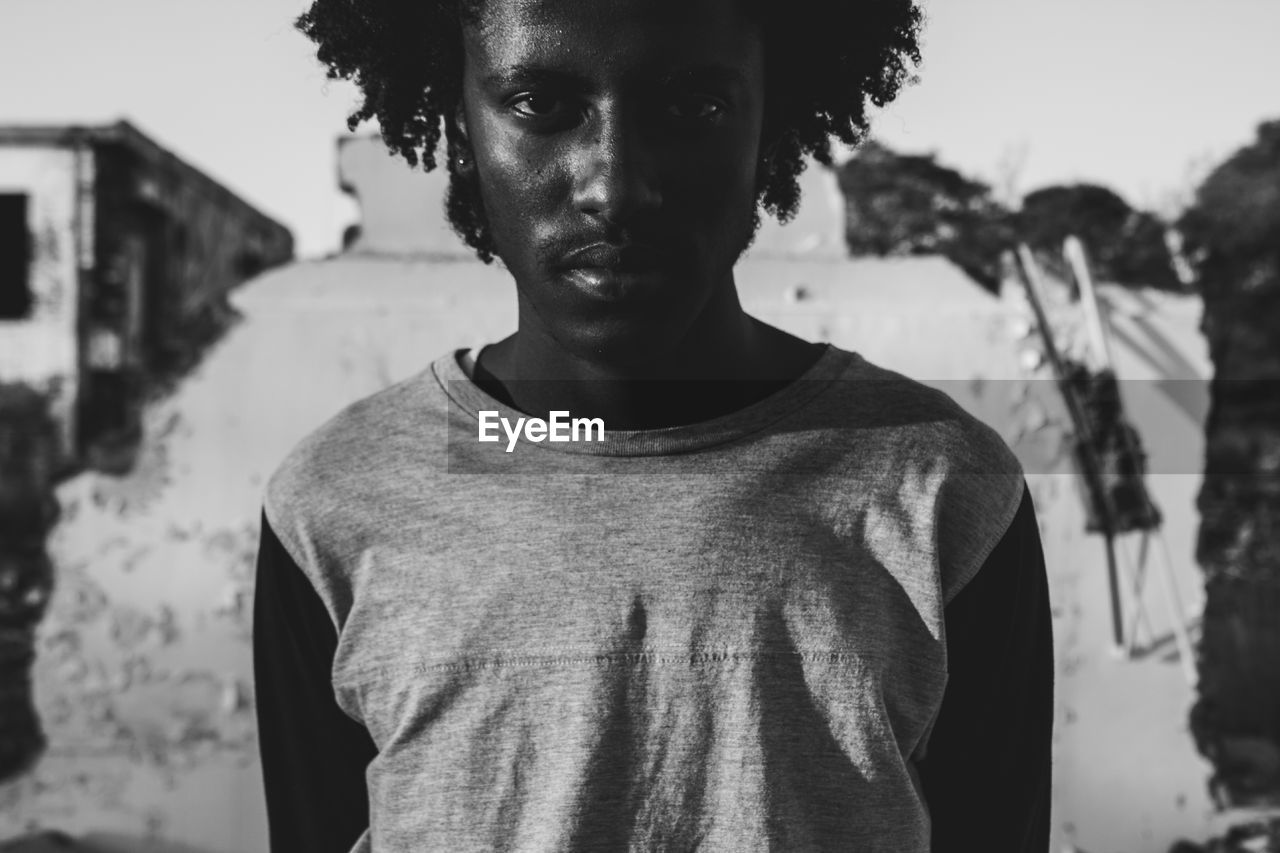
(627, 259)
(620, 284)
(615, 273)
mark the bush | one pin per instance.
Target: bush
(911, 205)
(28, 509)
(1232, 232)
(1125, 246)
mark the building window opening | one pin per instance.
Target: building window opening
(15, 258)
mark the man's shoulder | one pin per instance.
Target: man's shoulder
(929, 452)
(913, 418)
(366, 440)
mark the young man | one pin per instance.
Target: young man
(790, 602)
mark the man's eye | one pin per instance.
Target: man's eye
(695, 108)
(534, 105)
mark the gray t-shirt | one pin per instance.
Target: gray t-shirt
(725, 637)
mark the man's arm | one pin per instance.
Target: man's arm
(313, 755)
(987, 769)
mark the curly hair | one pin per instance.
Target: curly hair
(824, 60)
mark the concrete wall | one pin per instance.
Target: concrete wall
(817, 230)
(193, 239)
(42, 350)
(220, 244)
(401, 207)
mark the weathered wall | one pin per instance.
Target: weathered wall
(817, 230)
(193, 241)
(401, 207)
(42, 350)
(135, 254)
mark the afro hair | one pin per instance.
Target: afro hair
(825, 60)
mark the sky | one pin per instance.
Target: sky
(1140, 95)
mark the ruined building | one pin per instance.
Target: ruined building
(115, 261)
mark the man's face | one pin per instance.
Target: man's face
(616, 143)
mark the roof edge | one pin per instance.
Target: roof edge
(123, 132)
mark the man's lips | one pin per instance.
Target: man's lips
(607, 273)
(611, 258)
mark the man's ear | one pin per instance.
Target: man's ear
(770, 140)
(461, 157)
(771, 134)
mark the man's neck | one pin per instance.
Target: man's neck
(729, 362)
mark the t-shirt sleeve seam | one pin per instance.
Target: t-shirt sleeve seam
(1006, 518)
(284, 535)
(282, 532)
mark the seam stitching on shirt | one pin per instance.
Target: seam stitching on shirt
(284, 535)
(540, 661)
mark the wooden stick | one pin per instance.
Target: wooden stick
(1173, 600)
(1075, 410)
(1099, 339)
(1101, 344)
(1113, 584)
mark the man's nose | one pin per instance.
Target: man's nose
(617, 170)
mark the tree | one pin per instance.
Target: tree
(910, 205)
(898, 204)
(28, 510)
(1232, 232)
(1126, 246)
